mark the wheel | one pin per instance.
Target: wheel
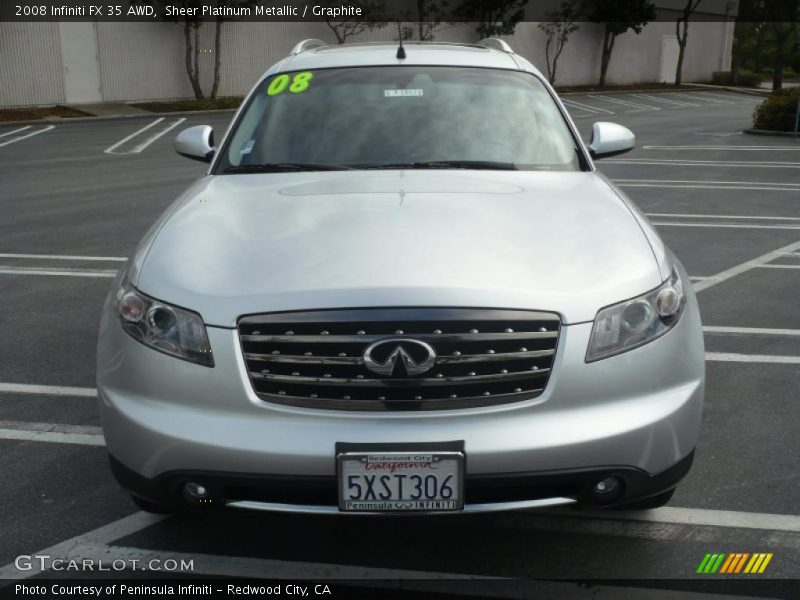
(152, 507)
(648, 503)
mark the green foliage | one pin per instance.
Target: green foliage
(778, 111)
(743, 78)
(795, 63)
(621, 15)
(494, 17)
(562, 24)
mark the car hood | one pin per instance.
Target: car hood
(243, 244)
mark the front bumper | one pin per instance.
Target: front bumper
(636, 415)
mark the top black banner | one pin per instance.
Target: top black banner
(498, 13)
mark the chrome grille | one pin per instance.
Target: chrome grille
(316, 359)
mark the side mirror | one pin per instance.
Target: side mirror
(196, 143)
(610, 139)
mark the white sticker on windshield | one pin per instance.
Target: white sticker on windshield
(247, 147)
(401, 93)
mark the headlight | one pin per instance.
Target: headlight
(636, 322)
(169, 329)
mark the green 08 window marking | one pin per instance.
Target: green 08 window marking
(296, 85)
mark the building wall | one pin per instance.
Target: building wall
(31, 68)
(146, 61)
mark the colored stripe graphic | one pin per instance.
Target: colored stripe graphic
(735, 562)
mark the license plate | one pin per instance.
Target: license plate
(401, 481)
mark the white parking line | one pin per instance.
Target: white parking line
(48, 390)
(27, 135)
(66, 257)
(725, 225)
(676, 103)
(745, 266)
(709, 185)
(153, 138)
(736, 217)
(732, 147)
(13, 131)
(750, 330)
(667, 162)
(32, 435)
(638, 107)
(102, 535)
(752, 358)
(13, 270)
(708, 98)
(112, 148)
(587, 107)
(779, 267)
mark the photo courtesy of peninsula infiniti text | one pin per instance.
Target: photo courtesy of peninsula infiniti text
(402, 287)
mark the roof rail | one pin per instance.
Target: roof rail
(307, 45)
(497, 44)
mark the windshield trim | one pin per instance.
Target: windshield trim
(584, 161)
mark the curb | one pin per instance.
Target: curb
(62, 120)
(774, 133)
(731, 88)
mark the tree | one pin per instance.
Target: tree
(374, 10)
(618, 16)
(494, 17)
(430, 17)
(191, 37)
(781, 18)
(561, 25)
(682, 31)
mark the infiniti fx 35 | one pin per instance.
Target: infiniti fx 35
(402, 285)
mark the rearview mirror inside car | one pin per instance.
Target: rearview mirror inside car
(196, 143)
(610, 139)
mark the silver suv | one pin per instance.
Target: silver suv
(401, 286)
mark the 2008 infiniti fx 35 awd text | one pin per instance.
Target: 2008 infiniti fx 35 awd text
(401, 286)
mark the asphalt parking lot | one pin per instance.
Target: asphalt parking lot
(76, 197)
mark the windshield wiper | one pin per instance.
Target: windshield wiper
(284, 167)
(448, 164)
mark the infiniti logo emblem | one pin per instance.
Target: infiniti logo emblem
(399, 356)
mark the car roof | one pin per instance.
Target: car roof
(385, 53)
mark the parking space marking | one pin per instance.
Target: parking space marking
(66, 257)
(13, 131)
(744, 267)
(60, 437)
(709, 185)
(695, 516)
(687, 162)
(27, 135)
(102, 535)
(587, 107)
(47, 390)
(779, 267)
(638, 107)
(732, 147)
(153, 138)
(750, 330)
(675, 103)
(111, 149)
(752, 358)
(726, 225)
(12, 270)
(736, 217)
(708, 98)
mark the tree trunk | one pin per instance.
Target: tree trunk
(682, 39)
(217, 57)
(777, 71)
(551, 72)
(191, 60)
(608, 47)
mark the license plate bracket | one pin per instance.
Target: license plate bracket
(397, 478)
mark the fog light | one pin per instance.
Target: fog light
(196, 493)
(607, 490)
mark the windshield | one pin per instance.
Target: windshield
(400, 117)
